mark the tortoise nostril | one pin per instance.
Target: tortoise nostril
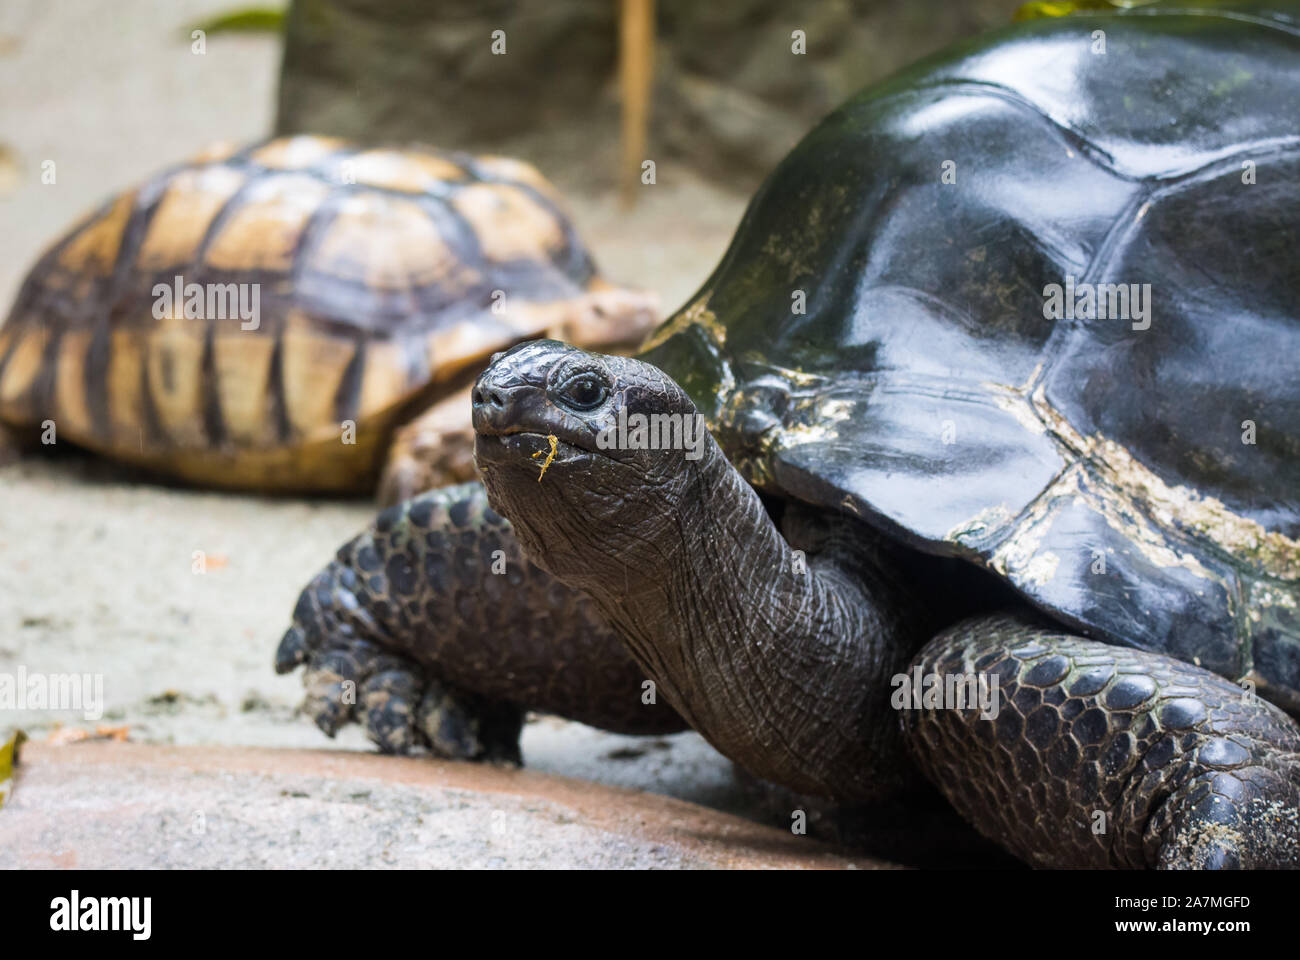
(487, 398)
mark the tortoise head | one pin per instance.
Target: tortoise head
(586, 454)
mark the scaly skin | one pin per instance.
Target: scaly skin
(443, 651)
(1103, 756)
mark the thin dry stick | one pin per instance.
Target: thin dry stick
(636, 70)
(549, 457)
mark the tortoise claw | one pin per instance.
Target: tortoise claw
(292, 651)
(388, 707)
(331, 680)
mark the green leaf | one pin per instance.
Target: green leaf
(1038, 9)
(247, 20)
(9, 760)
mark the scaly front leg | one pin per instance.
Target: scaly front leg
(431, 628)
(1102, 756)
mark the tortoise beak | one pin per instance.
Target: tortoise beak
(506, 396)
(497, 409)
(501, 406)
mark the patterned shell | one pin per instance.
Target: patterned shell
(225, 321)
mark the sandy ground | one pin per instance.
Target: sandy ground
(97, 565)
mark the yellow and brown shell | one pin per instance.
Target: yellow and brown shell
(262, 318)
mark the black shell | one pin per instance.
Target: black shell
(1141, 482)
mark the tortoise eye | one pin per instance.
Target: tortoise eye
(584, 392)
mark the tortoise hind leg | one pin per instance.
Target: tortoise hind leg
(1103, 756)
(431, 629)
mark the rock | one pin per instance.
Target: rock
(731, 95)
(123, 805)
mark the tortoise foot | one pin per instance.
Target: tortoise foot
(1092, 755)
(402, 706)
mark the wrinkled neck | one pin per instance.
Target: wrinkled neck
(781, 663)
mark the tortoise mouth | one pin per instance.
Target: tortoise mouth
(530, 448)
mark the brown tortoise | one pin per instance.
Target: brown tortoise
(345, 297)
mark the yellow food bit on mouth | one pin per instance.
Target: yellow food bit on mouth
(549, 457)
